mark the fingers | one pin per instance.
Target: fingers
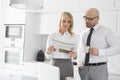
(51, 49)
(94, 51)
(72, 54)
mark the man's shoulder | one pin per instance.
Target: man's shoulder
(104, 28)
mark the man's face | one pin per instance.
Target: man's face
(91, 20)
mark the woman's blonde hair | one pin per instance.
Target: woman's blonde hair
(71, 21)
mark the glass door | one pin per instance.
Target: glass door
(13, 44)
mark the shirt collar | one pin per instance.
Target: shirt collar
(65, 33)
(96, 26)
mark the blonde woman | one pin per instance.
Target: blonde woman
(62, 46)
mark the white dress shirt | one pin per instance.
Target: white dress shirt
(103, 39)
(65, 38)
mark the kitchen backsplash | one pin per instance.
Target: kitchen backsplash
(43, 38)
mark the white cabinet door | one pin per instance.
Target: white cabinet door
(118, 24)
(113, 65)
(100, 4)
(61, 5)
(108, 19)
(117, 4)
(13, 15)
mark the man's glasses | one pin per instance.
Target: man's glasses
(89, 18)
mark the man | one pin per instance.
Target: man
(96, 45)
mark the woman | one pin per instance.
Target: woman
(62, 46)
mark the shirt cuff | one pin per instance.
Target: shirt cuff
(102, 52)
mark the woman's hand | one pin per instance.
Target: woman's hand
(72, 54)
(51, 49)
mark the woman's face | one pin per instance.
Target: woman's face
(65, 23)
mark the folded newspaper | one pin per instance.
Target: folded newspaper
(63, 47)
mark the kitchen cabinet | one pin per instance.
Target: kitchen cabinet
(35, 69)
(99, 4)
(13, 43)
(10, 75)
(108, 19)
(118, 23)
(61, 5)
(117, 4)
(113, 66)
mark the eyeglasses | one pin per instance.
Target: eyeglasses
(89, 18)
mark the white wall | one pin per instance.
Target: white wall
(31, 45)
(61, 5)
(102, 5)
(13, 15)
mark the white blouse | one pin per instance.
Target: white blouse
(59, 41)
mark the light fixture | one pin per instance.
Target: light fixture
(27, 4)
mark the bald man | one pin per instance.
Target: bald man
(96, 44)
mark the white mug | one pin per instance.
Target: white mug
(69, 78)
(86, 49)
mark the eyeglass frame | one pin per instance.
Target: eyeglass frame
(89, 18)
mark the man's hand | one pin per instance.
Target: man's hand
(94, 51)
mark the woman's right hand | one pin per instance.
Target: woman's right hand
(51, 49)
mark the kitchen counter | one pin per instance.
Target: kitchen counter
(31, 69)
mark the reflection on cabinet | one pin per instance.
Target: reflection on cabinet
(99, 4)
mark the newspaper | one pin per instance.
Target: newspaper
(62, 46)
